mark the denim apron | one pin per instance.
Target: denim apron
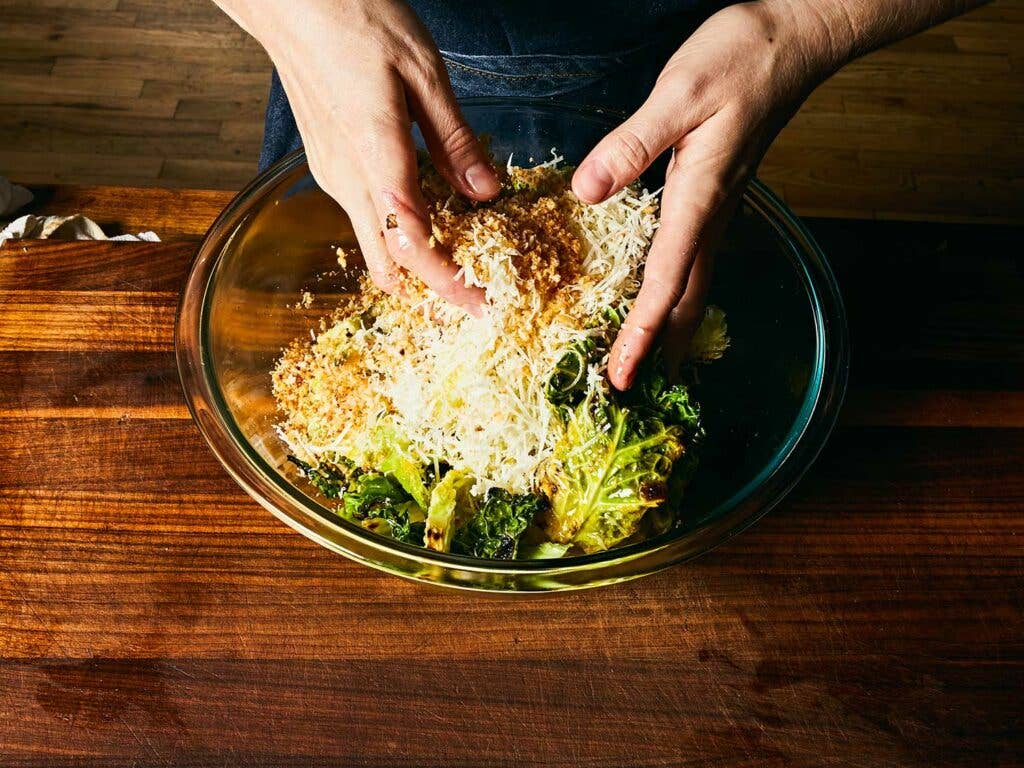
(597, 53)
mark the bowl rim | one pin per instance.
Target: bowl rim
(803, 443)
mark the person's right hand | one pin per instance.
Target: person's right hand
(356, 73)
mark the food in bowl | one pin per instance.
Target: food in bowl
(499, 437)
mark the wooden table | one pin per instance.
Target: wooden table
(152, 614)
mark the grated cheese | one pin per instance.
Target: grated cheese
(463, 390)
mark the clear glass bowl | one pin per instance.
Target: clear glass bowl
(769, 405)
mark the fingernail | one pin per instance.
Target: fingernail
(593, 182)
(481, 179)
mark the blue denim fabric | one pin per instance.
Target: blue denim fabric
(582, 53)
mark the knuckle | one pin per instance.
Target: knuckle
(401, 256)
(667, 294)
(720, 188)
(629, 153)
(427, 69)
(384, 279)
(708, 197)
(717, 196)
(703, 207)
(378, 131)
(458, 142)
(694, 87)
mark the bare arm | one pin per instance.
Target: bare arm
(718, 104)
(357, 72)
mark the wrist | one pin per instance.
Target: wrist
(278, 27)
(822, 32)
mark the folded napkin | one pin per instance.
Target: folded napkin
(28, 227)
(76, 227)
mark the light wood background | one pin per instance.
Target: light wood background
(171, 93)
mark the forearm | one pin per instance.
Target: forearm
(841, 30)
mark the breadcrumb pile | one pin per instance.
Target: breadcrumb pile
(470, 391)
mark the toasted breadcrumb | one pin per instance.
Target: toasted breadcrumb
(460, 389)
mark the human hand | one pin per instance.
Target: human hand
(356, 73)
(717, 105)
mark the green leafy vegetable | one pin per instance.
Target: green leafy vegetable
(370, 493)
(378, 503)
(494, 529)
(329, 479)
(655, 399)
(568, 383)
(451, 504)
(391, 455)
(711, 338)
(659, 405)
(545, 550)
(625, 454)
(609, 468)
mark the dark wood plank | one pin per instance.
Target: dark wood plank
(930, 306)
(120, 266)
(95, 454)
(894, 535)
(930, 408)
(152, 614)
(83, 320)
(90, 384)
(769, 713)
(172, 214)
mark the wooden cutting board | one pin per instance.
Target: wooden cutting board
(152, 614)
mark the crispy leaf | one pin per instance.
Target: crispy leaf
(711, 338)
(609, 468)
(494, 529)
(378, 503)
(450, 506)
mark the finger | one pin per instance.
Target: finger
(690, 204)
(454, 148)
(687, 314)
(411, 246)
(336, 175)
(626, 152)
(382, 269)
(389, 166)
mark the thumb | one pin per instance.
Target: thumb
(626, 152)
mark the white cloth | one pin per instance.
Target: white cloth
(28, 227)
(12, 197)
(76, 227)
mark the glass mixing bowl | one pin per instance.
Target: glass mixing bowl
(769, 404)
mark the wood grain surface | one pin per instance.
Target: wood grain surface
(152, 614)
(172, 93)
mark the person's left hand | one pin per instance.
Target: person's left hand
(717, 104)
